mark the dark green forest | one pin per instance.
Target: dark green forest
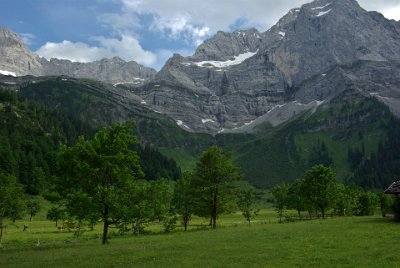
(353, 134)
(31, 134)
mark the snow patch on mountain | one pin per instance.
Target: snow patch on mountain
(222, 64)
(7, 73)
(321, 7)
(207, 121)
(323, 13)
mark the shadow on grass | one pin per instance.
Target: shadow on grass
(376, 220)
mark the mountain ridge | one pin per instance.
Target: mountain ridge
(213, 91)
(235, 81)
(17, 60)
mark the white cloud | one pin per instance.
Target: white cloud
(27, 38)
(187, 16)
(120, 23)
(128, 48)
(187, 21)
(181, 28)
(216, 15)
(389, 8)
(392, 13)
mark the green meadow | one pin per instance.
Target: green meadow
(370, 241)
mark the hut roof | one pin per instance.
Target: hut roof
(394, 188)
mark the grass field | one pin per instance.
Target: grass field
(342, 241)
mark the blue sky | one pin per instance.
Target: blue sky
(147, 31)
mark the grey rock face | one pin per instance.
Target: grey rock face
(15, 57)
(223, 46)
(113, 70)
(236, 79)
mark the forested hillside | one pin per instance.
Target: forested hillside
(30, 136)
(352, 133)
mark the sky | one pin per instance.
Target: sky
(146, 31)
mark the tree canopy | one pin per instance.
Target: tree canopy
(213, 181)
(319, 188)
(98, 174)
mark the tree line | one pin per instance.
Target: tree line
(100, 180)
(318, 192)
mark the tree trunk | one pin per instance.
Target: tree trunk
(323, 213)
(30, 218)
(105, 226)
(185, 224)
(214, 210)
(1, 231)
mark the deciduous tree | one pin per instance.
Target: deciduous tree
(10, 193)
(98, 174)
(280, 193)
(246, 204)
(213, 179)
(319, 188)
(183, 198)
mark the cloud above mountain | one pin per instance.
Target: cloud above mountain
(143, 30)
(127, 48)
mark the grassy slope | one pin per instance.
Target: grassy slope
(352, 242)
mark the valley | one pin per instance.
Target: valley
(263, 147)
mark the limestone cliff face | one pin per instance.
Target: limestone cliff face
(114, 70)
(236, 80)
(17, 59)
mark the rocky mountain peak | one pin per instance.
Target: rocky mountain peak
(240, 79)
(9, 38)
(223, 45)
(17, 59)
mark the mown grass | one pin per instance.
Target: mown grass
(345, 242)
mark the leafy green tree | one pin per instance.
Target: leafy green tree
(10, 193)
(33, 207)
(147, 202)
(295, 199)
(386, 203)
(344, 200)
(319, 188)
(246, 204)
(347, 199)
(280, 193)
(98, 174)
(213, 179)
(368, 203)
(55, 214)
(183, 199)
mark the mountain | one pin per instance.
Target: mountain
(115, 70)
(320, 86)
(235, 81)
(15, 57)
(17, 60)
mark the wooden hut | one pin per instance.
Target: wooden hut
(394, 188)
